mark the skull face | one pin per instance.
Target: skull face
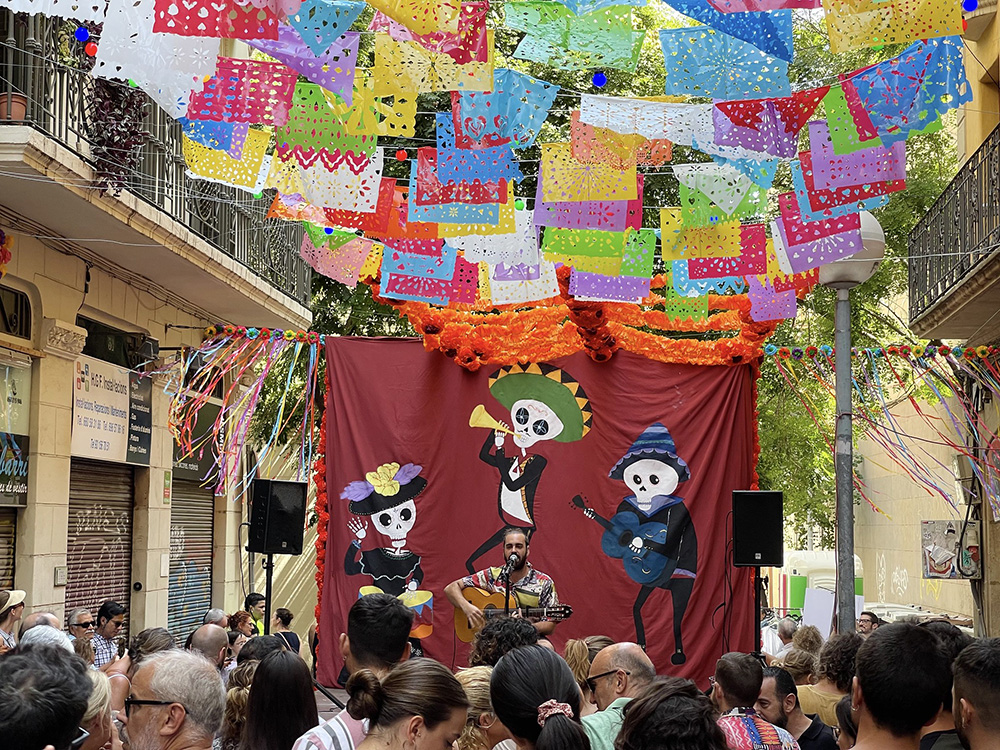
(533, 421)
(648, 478)
(396, 522)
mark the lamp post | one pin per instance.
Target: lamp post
(843, 275)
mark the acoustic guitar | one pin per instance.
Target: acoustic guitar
(492, 605)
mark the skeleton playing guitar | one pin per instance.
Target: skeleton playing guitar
(492, 605)
(639, 545)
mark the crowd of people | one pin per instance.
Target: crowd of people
(898, 686)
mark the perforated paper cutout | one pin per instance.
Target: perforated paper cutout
(768, 304)
(455, 213)
(516, 272)
(513, 111)
(724, 185)
(333, 69)
(517, 248)
(431, 191)
(468, 45)
(830, 170)
(769, 126)
(593, 145)
(340, 188)
(769, 32)
(504, 226)
(374, 222)
(751, 260)
(78, 10)
(698, 210)
(609, 216)
(749, 6)
(165, 66)
(404, 67)
(422, 16)
(314, 133)
(862, 120)
(321, 22)
(909, 92)
(596, 287)
(460, 164)
(783, 282)
(439, 265)
(398, 226)
(340, 263)
(369, 114)
(246, 173)
(701, 61)
(581, 7)
(640, 254)
(227, 19)
(855, 24)
(245, 91)
(221, 136)
(565, 179)
(679, 307)
(841, 123)
(803, 246)
(816, 204)
(685, 286)
(555, 36)
(461, 287)
(719, 241)
(585, 249)
(524, 291)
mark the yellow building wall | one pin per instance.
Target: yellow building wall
(979, 118)
(889, 544)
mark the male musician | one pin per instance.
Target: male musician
(528, 586)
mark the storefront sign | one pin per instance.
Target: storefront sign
(112, 413)
(15, 400)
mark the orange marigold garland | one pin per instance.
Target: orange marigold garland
(322, 514)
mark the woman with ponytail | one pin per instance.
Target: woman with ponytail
(419, 705)
(483, 730)
(536, 697)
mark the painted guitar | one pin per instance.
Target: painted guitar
(644, 564)
(492, 606)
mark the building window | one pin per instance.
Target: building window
(15, 313)
(109, 344)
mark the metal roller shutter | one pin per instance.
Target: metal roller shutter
(8, 527)
(99, 548)
(192, 509)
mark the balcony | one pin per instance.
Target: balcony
(955, 255)
(207, 242)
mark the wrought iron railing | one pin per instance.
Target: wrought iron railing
(37, 71)
(960, 232)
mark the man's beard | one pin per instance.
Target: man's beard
(141, 740)
(782, 720)
(522, 561)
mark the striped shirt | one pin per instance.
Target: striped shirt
(339, 733)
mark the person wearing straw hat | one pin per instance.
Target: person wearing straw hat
(545, 403)
(11, 608)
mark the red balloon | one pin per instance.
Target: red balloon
(90, 49)
(401, 155)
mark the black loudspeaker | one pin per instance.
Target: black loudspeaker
(277, 517)
(758, 529)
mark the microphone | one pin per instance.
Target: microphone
(511, 563)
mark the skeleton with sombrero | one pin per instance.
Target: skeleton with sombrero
(545, 403)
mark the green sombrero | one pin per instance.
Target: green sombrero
(553, 387)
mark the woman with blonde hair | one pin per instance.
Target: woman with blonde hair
(483, 730)
(801, 665)
(97, 718)
(235, 716)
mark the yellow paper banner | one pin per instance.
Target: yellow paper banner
(854, 24)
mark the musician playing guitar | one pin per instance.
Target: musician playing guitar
(530, 587)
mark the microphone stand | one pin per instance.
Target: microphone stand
(505, 572)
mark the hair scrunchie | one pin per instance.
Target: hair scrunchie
(552, 707)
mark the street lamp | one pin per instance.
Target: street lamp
(843, 275)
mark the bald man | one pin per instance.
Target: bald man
(212, 642)
(38, 618)
(616, 676)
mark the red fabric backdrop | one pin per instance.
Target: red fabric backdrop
(389, 400)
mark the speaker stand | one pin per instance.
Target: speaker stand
(268, 563)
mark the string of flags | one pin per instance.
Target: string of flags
(304, 114)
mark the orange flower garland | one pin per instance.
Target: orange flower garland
(322, 514)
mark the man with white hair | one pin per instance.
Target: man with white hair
(177, 700)
(216, 616)
(46, 635)
(81, 624)
(35, 619)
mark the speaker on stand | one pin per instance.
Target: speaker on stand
(277, 522)
(758, 539)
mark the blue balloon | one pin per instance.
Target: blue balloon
(600, 80)
(970, 5)
(81, 34)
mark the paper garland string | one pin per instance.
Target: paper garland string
(816, 204)
(705, 62)
(431, 191)
(245, 91)
(339, 188)
(455, 213)
(459, 164)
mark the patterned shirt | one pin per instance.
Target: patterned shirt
(745, 730)
(8, 639)
(105, 650)
(339, 733)
(534, 590)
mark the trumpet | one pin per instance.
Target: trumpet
(481, 418)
